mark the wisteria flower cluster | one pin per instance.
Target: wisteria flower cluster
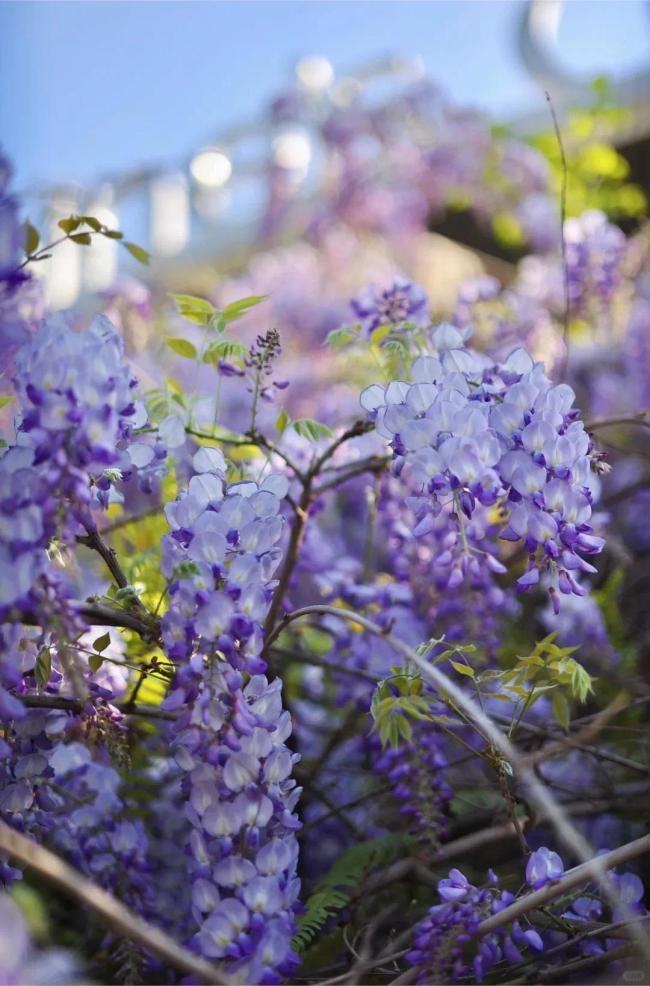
(467, 433)
(442, 942)
(230, 738)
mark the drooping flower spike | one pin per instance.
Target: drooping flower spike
(467, 432)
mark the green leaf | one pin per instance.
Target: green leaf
(6, 399)
(282, 422)
(338, 338)
(43, 667)
(95, 662)
(378, 335)
(462, 668)
(561, 709)
(32, 238)
(102, 642)
(335, 891)
(182, 347)
(197, 310)
(138, 252)
(92, 222)
(238, 308)
(311, 430)
(84, 239)
(224, 349)
(69, 225)
(112, 234)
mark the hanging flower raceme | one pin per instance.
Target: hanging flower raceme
(75, 399)
(595, 249)
(230, 739)
(447, 947)
(467, 434)
(75, 406)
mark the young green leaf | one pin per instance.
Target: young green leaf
(236, 309)
(138, 252)
(92, 222)
(561, 709)
(102, 642)
(282, 422)
(32, 239)
(311, 430)
(197, 310)
(95, 662)
(43, 667)
(70, 224)
(84, 239)
(224, 349)
(183, 347)
(338, 338)
(462, 669)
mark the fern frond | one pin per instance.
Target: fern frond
(336, 890)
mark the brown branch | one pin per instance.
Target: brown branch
(299, 524)
(373, 464)
(580, 740)
(636, 419)
(111, 911)
(617, 496)
(375, 793)
(250, 438)
(358, 428)
(562, 973)
(74, 705)
(94, 541)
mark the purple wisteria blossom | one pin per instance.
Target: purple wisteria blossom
(401, 302)
(230, 740)
(543, 866)
(467, 432)
(75, 404)
(446, 947)
(595, 249)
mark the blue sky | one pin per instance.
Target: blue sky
(88, 88)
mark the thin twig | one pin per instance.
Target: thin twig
(112, 912)
(639, 419)
(563, 973)
(563, 191)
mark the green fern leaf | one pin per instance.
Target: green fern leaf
(336, 890)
